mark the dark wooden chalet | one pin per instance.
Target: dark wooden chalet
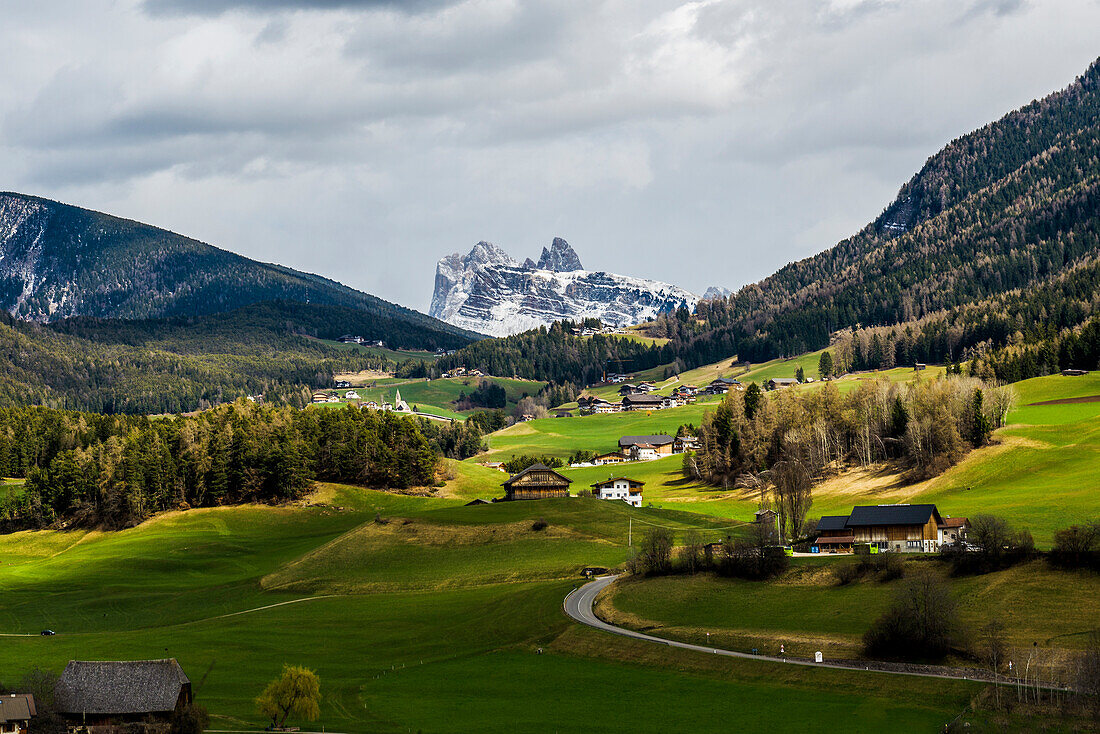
(642, 402)
(536, 482)
(106, 693)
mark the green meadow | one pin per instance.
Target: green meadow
(562, 436)
(807, 610)
(417, 614)
(423, 614)
(438, 396)
(1040, 472)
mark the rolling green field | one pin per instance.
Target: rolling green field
(807, 611)
(438, 396)
(1040, 473)
(417, 614)
(420, 613)
(1043, 474)
(563, 436)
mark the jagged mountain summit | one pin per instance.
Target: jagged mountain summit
(716, 291)
(490, 292)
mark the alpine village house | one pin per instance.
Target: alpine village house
(894, 528)
(16, 712)
(536, 482)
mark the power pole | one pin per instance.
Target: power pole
(630, 532)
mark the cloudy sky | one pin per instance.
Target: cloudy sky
(701, 143)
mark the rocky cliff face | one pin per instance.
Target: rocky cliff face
(490, 292)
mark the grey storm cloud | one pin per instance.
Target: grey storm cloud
(365, 139)
(214, 7)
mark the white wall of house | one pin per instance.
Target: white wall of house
(620, 490)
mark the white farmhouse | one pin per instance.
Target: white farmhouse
(620, 488)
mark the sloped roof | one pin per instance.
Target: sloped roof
(536, 468)
(954, 522)
(129, 687)
(659, 439)
(832, 522)
(643, 399)
(612, 480)
(16, 707)
(865, 515)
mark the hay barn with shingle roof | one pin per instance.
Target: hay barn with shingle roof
(103, 693)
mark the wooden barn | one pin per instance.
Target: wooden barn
(536, 482)
(911, 528)
(108, 693)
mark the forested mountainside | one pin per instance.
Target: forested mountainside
(1001, 226)
(999, 209)
(59, 261)
(1050, 326)
(556, 354)
(180, 364)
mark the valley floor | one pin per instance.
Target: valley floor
(422, 614)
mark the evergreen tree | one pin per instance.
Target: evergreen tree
(825, 365)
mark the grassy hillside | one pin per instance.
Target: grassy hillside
(430, 625)
(1039, 472)
(438, 396)
(806, 610)
(563, 436)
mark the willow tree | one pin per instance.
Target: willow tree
(297, 693)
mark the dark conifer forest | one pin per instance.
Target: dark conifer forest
(92, 469)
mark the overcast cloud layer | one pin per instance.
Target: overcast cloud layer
(702, 143)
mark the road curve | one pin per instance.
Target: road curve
(578, 605)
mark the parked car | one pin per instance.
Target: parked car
(47, 633)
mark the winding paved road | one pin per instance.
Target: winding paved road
(578, 605)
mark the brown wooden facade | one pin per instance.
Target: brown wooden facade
(536, 482)
(894, 528)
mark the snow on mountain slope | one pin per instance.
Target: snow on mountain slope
(490, 292)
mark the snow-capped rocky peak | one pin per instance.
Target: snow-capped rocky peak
(716, 291)
(560, 257)
(486, 253)
(490, 292)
